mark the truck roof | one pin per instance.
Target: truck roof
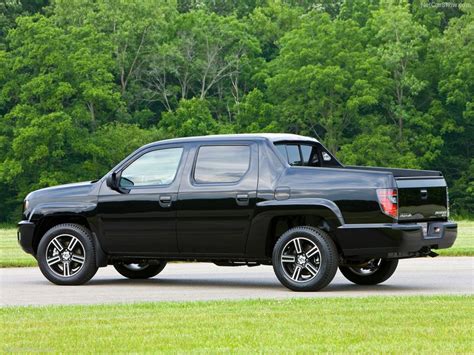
(273, 137)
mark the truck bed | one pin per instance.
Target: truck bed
(422, 194)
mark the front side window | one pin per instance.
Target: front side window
(157, 167)
(221, 163)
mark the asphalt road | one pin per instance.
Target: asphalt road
(197, 281)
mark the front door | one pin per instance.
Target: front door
(143, 221)
(217, 198)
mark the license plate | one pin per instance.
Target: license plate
(424, 226)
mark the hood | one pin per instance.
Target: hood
(66, 191)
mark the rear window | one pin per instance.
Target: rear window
(221, 163)
(306, 155)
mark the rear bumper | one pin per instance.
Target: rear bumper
(25, 235)
(394, 240)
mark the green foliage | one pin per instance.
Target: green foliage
(192, 117)
(323, 78)
(83, 83)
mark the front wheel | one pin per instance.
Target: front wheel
(140, 271)
(372, 272)
(305, 259)
(66, 254)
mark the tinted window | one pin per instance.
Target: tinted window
(157, 167)
(293, 152)
(306, 153)
(282, 149)
(310, 155)
(221, 163)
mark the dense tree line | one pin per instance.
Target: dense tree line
(83, 83)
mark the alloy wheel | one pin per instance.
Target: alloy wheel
(301, 259)
(65, 255)
(136, 267)
(368, 268)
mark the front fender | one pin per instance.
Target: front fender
(267, 210)
(64, 212)
(51, 209)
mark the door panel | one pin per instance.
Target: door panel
(136, 223)
(214, 218)
(143, 221)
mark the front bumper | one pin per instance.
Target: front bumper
(25, 235)
(394, 240)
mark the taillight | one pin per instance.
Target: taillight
(388, 201)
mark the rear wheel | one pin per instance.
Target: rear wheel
(305, 259)
(66, 255)
(140, 271)
(372, 272)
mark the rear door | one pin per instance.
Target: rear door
(217, 197)
(422, 198)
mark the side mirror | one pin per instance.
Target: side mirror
(112, 181)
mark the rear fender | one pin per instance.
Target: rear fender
(266, 211)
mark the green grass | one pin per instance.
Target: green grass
(435, 324)
(464, 244)
(12, 255)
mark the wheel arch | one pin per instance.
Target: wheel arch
(48, 221)
(274, 217)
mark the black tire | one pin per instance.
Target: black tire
(76, 272)
(317, 271)
(385, 269)
(141, 271)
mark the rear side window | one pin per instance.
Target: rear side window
(294, 157)
(306, 155)
(299, 154)
(221, 163)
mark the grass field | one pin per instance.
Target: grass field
(12, 255)
(436, 324)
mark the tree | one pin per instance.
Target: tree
(255, 114)
(205, 51)
(454, 52)
(191, 118)
(132, 27)
(269, 23)
(380, 82)
(323, 78)
(397, 40)
(59, 89)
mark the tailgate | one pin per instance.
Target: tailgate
(422, 198)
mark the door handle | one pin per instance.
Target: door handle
(424, 194)
(165, 201)
(242, 199)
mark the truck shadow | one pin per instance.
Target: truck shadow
(271, 285)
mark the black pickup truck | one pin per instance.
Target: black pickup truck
(275, 199)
